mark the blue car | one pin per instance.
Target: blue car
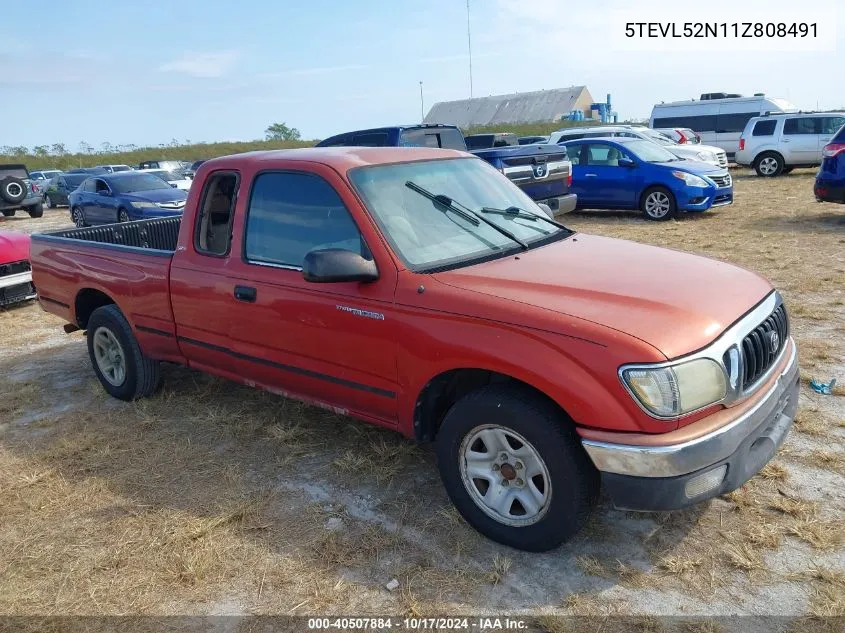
(830, 179)
(122, 197)
(630, 173)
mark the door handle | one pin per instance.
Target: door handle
(245, 293)
(784, 140)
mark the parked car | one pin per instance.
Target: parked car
(18, 192)
(58, 189)
(701, 153)
(42, 176)
(681, 135)
(544, 173)
(630, 173)
(123, 197)
(169, 165)
(416, 289)
(175, 179)
(111, 169)
(88, 170)
(486, 141)
(718, 118)
(830, 179)
(191, 171)
(777, 143)
(15, 272)
(531, 140)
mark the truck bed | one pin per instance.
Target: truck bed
(76, 270)
(157, 234)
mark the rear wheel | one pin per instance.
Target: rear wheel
(8, 213)
(658, 203)
(36, 210)
(122, 369)
(78, 217)
(769, 164)
(515, 469)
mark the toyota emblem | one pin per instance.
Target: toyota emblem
(774, 341)
(540, 170)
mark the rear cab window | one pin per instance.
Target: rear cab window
(372, 139)
(293, 213)
(213, 234)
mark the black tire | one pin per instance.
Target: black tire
(788, 170)
(574, 481)
(668, 206)
(123, 215)
(78, 217)
(12, 190)
(8, 213)
(36, 210)
(769, 165)
(142, 375)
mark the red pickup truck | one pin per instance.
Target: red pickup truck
(420, 290)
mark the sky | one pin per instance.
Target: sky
(148, 72)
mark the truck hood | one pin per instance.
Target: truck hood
(676, 302)
(14, 247)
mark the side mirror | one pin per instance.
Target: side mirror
(626, 162)
(173, 184)
(331, 265)
(104, 192)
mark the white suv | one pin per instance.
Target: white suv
(702, 153)
(776, 143)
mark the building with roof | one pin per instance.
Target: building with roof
(521, 107)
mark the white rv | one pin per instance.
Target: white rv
(718, 118)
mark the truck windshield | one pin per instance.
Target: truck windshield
(425, 237)
(138, 182)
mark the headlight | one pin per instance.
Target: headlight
(672, 391)
(707, 157)
(144, 205)
(691, 180)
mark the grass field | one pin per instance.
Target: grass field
(214, 498)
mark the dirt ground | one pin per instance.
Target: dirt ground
(211, 498)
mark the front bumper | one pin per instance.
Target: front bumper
(703, 198)
(674, 476)
(15, 288)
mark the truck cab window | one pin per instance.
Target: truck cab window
(214, 224)
(291, 214)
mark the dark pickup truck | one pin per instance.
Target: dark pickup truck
(417, 289)
(543, 172)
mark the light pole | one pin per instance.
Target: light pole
(422, 109)
(469, 46)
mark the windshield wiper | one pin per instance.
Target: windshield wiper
(445, 203)
(516, 212)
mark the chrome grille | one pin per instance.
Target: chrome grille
(762, 346)
(722, 158)
(722, 181)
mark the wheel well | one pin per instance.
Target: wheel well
(655, 185)
(445, 389)
(768, 151)
(87, 301)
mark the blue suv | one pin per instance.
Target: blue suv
(830, 179)
(630, 173)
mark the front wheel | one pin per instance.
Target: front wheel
(658, 203)
(122, 369)
(78, 217)
(515, 469)
(123, 215)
